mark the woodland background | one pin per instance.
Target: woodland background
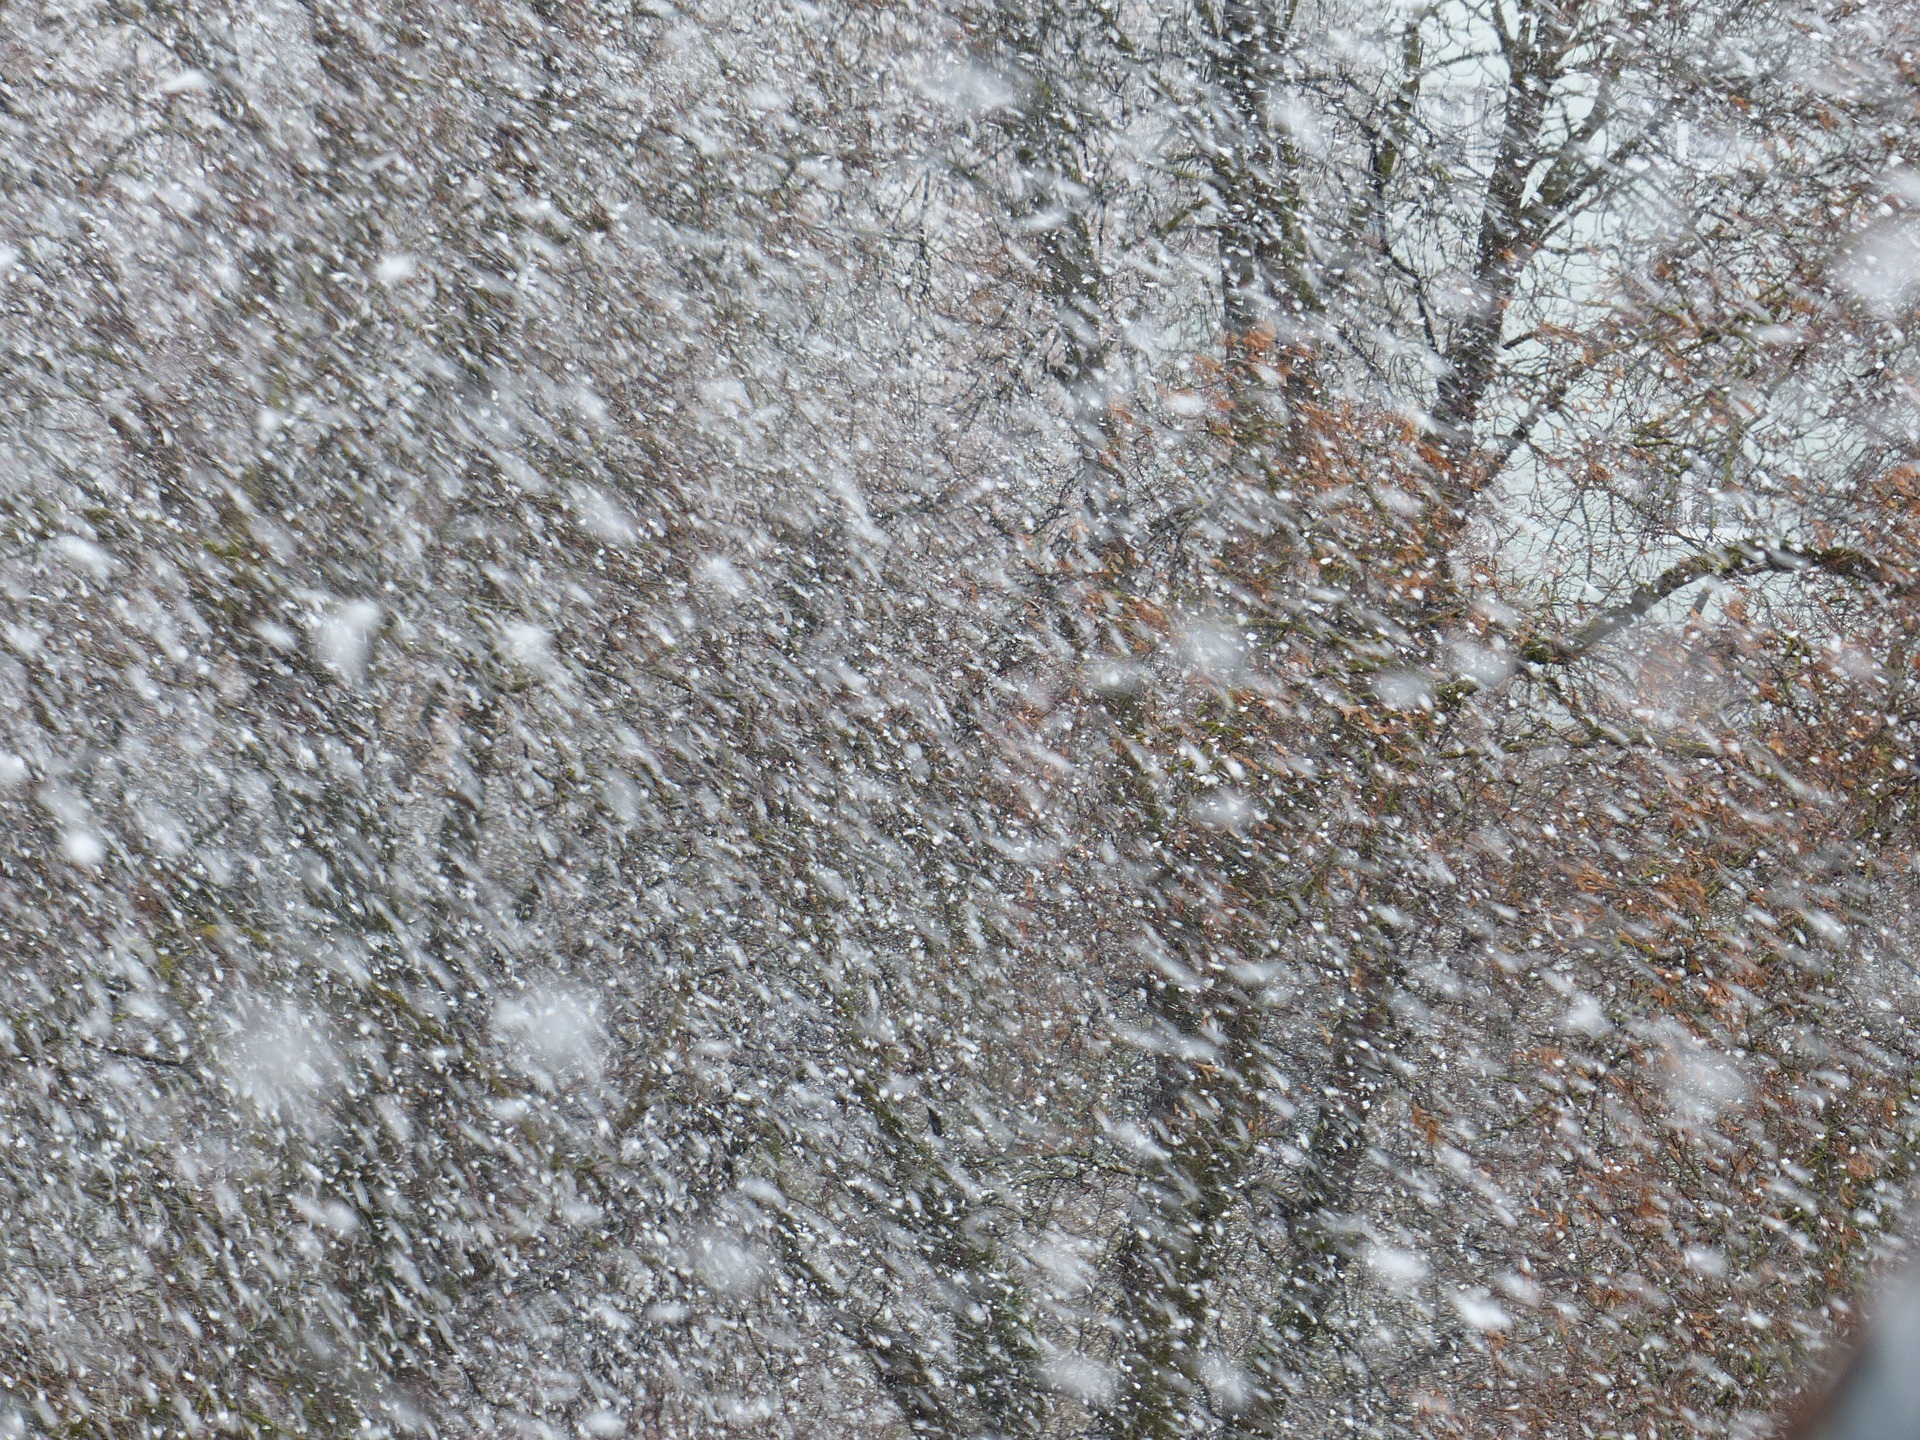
(971, 718)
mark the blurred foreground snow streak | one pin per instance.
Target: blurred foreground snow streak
(969, 718)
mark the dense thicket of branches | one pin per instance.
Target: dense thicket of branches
(1025, 718)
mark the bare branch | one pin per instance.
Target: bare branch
(1744, 557)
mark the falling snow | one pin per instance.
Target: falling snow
(955, 718)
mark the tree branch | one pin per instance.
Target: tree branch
(1743, 557)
